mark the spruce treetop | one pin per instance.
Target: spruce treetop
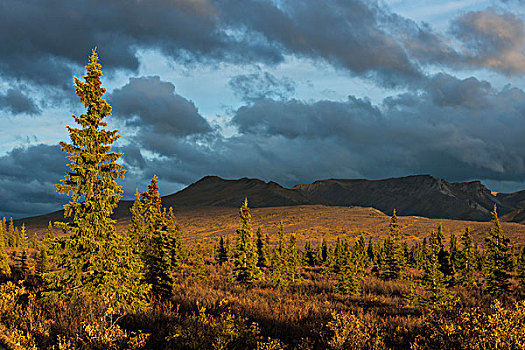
(93, 169)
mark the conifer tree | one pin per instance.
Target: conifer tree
(497, 260)
(361, 254)
(467, 261)
(262, 250)
(199, 271)
(309, 254)
(521, 267)
(268, 249)
(513, 259)
(454, 253)
(339, 257)
(349, 276)
(416, 258)
(23, 237)
(324, 250)
(292, 260)
(318, 255)
(17, 238)
(228, 247)
(157, 243)
(394, 257)
(35, 242)
(371, 251)
(4, 258)
(42, 262)
(136, 229)
(279, 261)
(23, 263)
(245, 254)
(433, 281)
(444, 255)
(3, 233)
(92, 260)
(50, 235)
(11, 234)
(222, 253)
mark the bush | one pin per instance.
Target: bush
(501, 328)
(348, 331)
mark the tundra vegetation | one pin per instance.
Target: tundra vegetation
(91, 287)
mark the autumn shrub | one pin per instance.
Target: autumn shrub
(224, 330)
(349, 331)
(22, 324)
(28, 323)
(473, 328)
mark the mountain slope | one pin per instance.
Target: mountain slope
(212, 191)
(421, 195)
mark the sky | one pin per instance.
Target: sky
(291, 91)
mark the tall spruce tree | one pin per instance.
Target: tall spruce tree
(292, 260)
(309, 254)
(222, 253)
(11, 234)
(361, 253)
(3, 233)
(467, 259)
(50, 235)
(92, 260)
(35, 242)
(279, 260)
(394, 264)
(156, 255)
(23, 237)
(42, 262)
(349, 276)
(23, 263)
(245, 255)
(136, 229)
(496, 267)
(199, 271)
(4, 258)
(444, 255)
(433, 280)
(454, 252)
(324, 250)
(520, 269)
(262, 250)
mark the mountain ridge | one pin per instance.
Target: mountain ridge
(418, 195)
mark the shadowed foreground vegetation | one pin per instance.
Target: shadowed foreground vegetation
(331, 303)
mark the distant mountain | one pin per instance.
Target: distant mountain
(213, 191)
(419, 195)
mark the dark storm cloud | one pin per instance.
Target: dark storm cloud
(27, 178)
(260, 85)
(458, 129)
(15, 102)
(347, 34)
(322, 119)
(46, 42)
(150, 102)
